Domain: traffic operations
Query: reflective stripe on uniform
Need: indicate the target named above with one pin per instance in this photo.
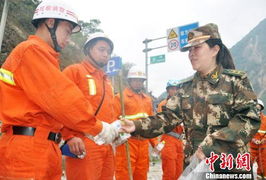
(261, 131)
(175, 135)
(259, 176)
(137, 116)
(7, 77)
(92, 85)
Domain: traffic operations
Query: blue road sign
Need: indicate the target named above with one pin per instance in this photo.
(183, 32)
(113, 66)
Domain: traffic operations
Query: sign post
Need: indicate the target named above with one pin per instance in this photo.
(122, 103)
(146, 50)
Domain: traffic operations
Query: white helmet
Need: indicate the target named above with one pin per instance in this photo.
(136, 72)
(261, 104)
(100, 36)
(172, 83)
(55, 9)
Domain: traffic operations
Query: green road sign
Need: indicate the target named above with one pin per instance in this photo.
(157, 59)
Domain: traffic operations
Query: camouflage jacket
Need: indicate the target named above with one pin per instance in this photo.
(219, 112)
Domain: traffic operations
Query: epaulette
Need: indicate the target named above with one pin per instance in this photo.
(234, 72)
(186, 80)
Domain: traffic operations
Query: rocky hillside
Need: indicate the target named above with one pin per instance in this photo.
(250, 55)
(17, 27)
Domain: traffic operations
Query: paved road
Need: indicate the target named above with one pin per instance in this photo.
(155, 172)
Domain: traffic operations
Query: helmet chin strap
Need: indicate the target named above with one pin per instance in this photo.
(52, 30)
(100, 65)
(138, 91)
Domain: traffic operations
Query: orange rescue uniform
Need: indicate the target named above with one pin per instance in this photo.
(136, 106)
(99, 161)
(258, 148)
(172, 154)
(35, 93)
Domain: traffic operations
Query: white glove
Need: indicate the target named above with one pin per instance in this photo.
(108, 134)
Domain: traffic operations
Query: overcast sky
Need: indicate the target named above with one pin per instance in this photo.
(128, 23)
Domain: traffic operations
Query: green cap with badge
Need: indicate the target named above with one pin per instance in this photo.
(201, 34)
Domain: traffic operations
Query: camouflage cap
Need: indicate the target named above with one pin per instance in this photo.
(201, 34)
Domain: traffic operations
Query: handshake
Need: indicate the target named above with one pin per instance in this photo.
(116, 133)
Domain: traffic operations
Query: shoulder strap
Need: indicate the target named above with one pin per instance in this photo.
(100, 105)
(234, 72)
(186, 80)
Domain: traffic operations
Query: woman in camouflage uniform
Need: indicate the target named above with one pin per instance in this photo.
(217, 104)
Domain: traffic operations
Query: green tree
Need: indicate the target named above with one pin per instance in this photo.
(90, 27)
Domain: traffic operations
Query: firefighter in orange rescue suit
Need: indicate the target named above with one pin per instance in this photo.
(89, 76)
(258, 145)
(137, 105)
(37, 100)
(172, 154)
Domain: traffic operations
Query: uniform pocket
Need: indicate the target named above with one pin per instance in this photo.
(219, 107)
(221, 98)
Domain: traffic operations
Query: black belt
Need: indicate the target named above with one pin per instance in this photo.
(29, 131)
